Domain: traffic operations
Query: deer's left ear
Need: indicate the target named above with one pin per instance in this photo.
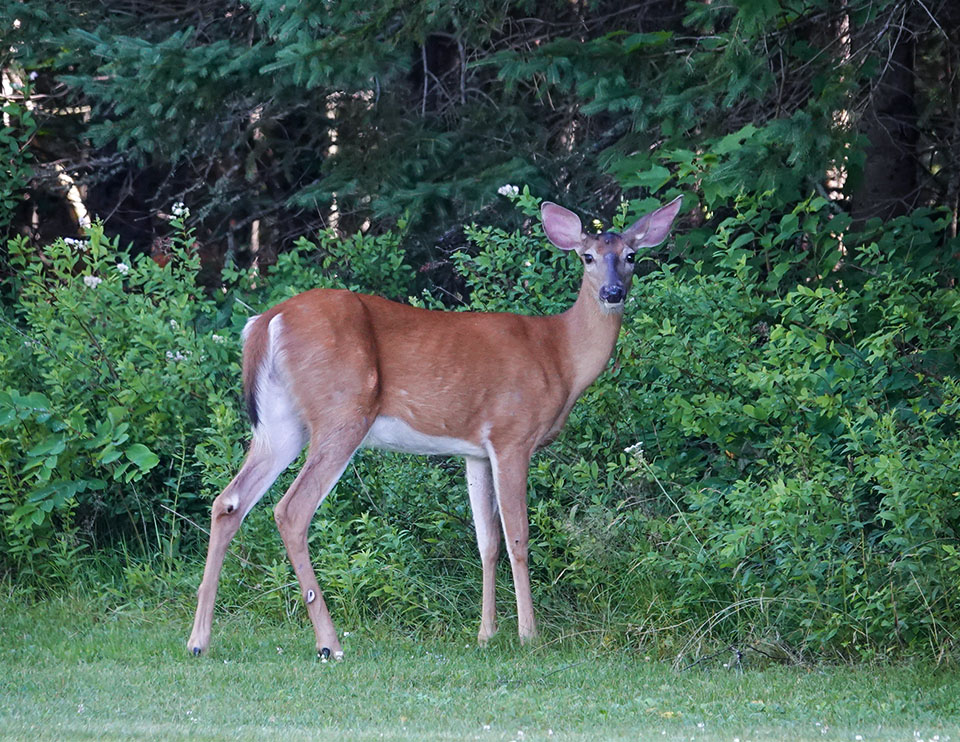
(653, 228)
(561, 225)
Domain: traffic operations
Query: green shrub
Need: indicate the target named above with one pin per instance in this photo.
(773, 455)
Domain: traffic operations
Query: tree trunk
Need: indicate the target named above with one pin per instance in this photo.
(889, 123)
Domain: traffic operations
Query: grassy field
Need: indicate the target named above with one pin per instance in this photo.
(72, 672)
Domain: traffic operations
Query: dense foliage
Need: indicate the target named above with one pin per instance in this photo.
(774, 455)
(273, 119)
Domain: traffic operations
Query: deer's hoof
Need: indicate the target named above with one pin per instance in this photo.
(324, 653)
(195, 651)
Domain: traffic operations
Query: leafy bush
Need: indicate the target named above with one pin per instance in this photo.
(18, 129)
(773, 455)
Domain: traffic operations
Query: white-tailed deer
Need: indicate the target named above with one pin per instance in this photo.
(337, 371)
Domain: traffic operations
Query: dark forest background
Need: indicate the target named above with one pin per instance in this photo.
(271, 120)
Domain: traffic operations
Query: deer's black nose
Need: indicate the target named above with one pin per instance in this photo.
(612, 294)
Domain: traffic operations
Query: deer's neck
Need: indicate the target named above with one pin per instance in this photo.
(591, 336)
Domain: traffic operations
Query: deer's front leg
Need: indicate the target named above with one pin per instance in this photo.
(483, 504)
(510, 480)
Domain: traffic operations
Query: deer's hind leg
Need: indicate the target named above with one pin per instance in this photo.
(276, 443)
(327, 459)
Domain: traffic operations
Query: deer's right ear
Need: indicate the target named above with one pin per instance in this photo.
(561, 225)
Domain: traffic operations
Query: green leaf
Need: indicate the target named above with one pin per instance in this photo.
(654, 178)
(143, 457)
(48, 447)
(109, 455)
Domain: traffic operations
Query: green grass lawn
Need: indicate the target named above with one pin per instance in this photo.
(69, 671)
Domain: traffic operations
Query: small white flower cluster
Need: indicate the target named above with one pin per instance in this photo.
(635, 450)
(177, 357)
(81, 245)
(179, 211)
(92, 281)
(173, 324)
(510, 191)
(220, 339)
(34, 75)
(123, 269)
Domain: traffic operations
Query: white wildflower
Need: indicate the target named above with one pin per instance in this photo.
(173, 324)
(123, 269)
(176, 357)
(81, 245)
(635, 450)
(92, 281)
(34, 75)
(179, 210)
(510, 191)
(219, 339)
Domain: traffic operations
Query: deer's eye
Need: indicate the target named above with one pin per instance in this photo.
(631, 257)
(587, 258)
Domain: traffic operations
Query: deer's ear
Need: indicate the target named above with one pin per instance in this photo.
(561, 225)
(653, 228)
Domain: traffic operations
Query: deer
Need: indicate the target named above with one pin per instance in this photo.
(335, 371)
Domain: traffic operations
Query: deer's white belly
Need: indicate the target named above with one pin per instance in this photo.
(393, 434)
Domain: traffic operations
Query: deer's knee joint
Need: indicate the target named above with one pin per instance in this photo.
(226, 505)
(280, 515)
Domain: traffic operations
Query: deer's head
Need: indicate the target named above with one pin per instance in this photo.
(608, 258)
